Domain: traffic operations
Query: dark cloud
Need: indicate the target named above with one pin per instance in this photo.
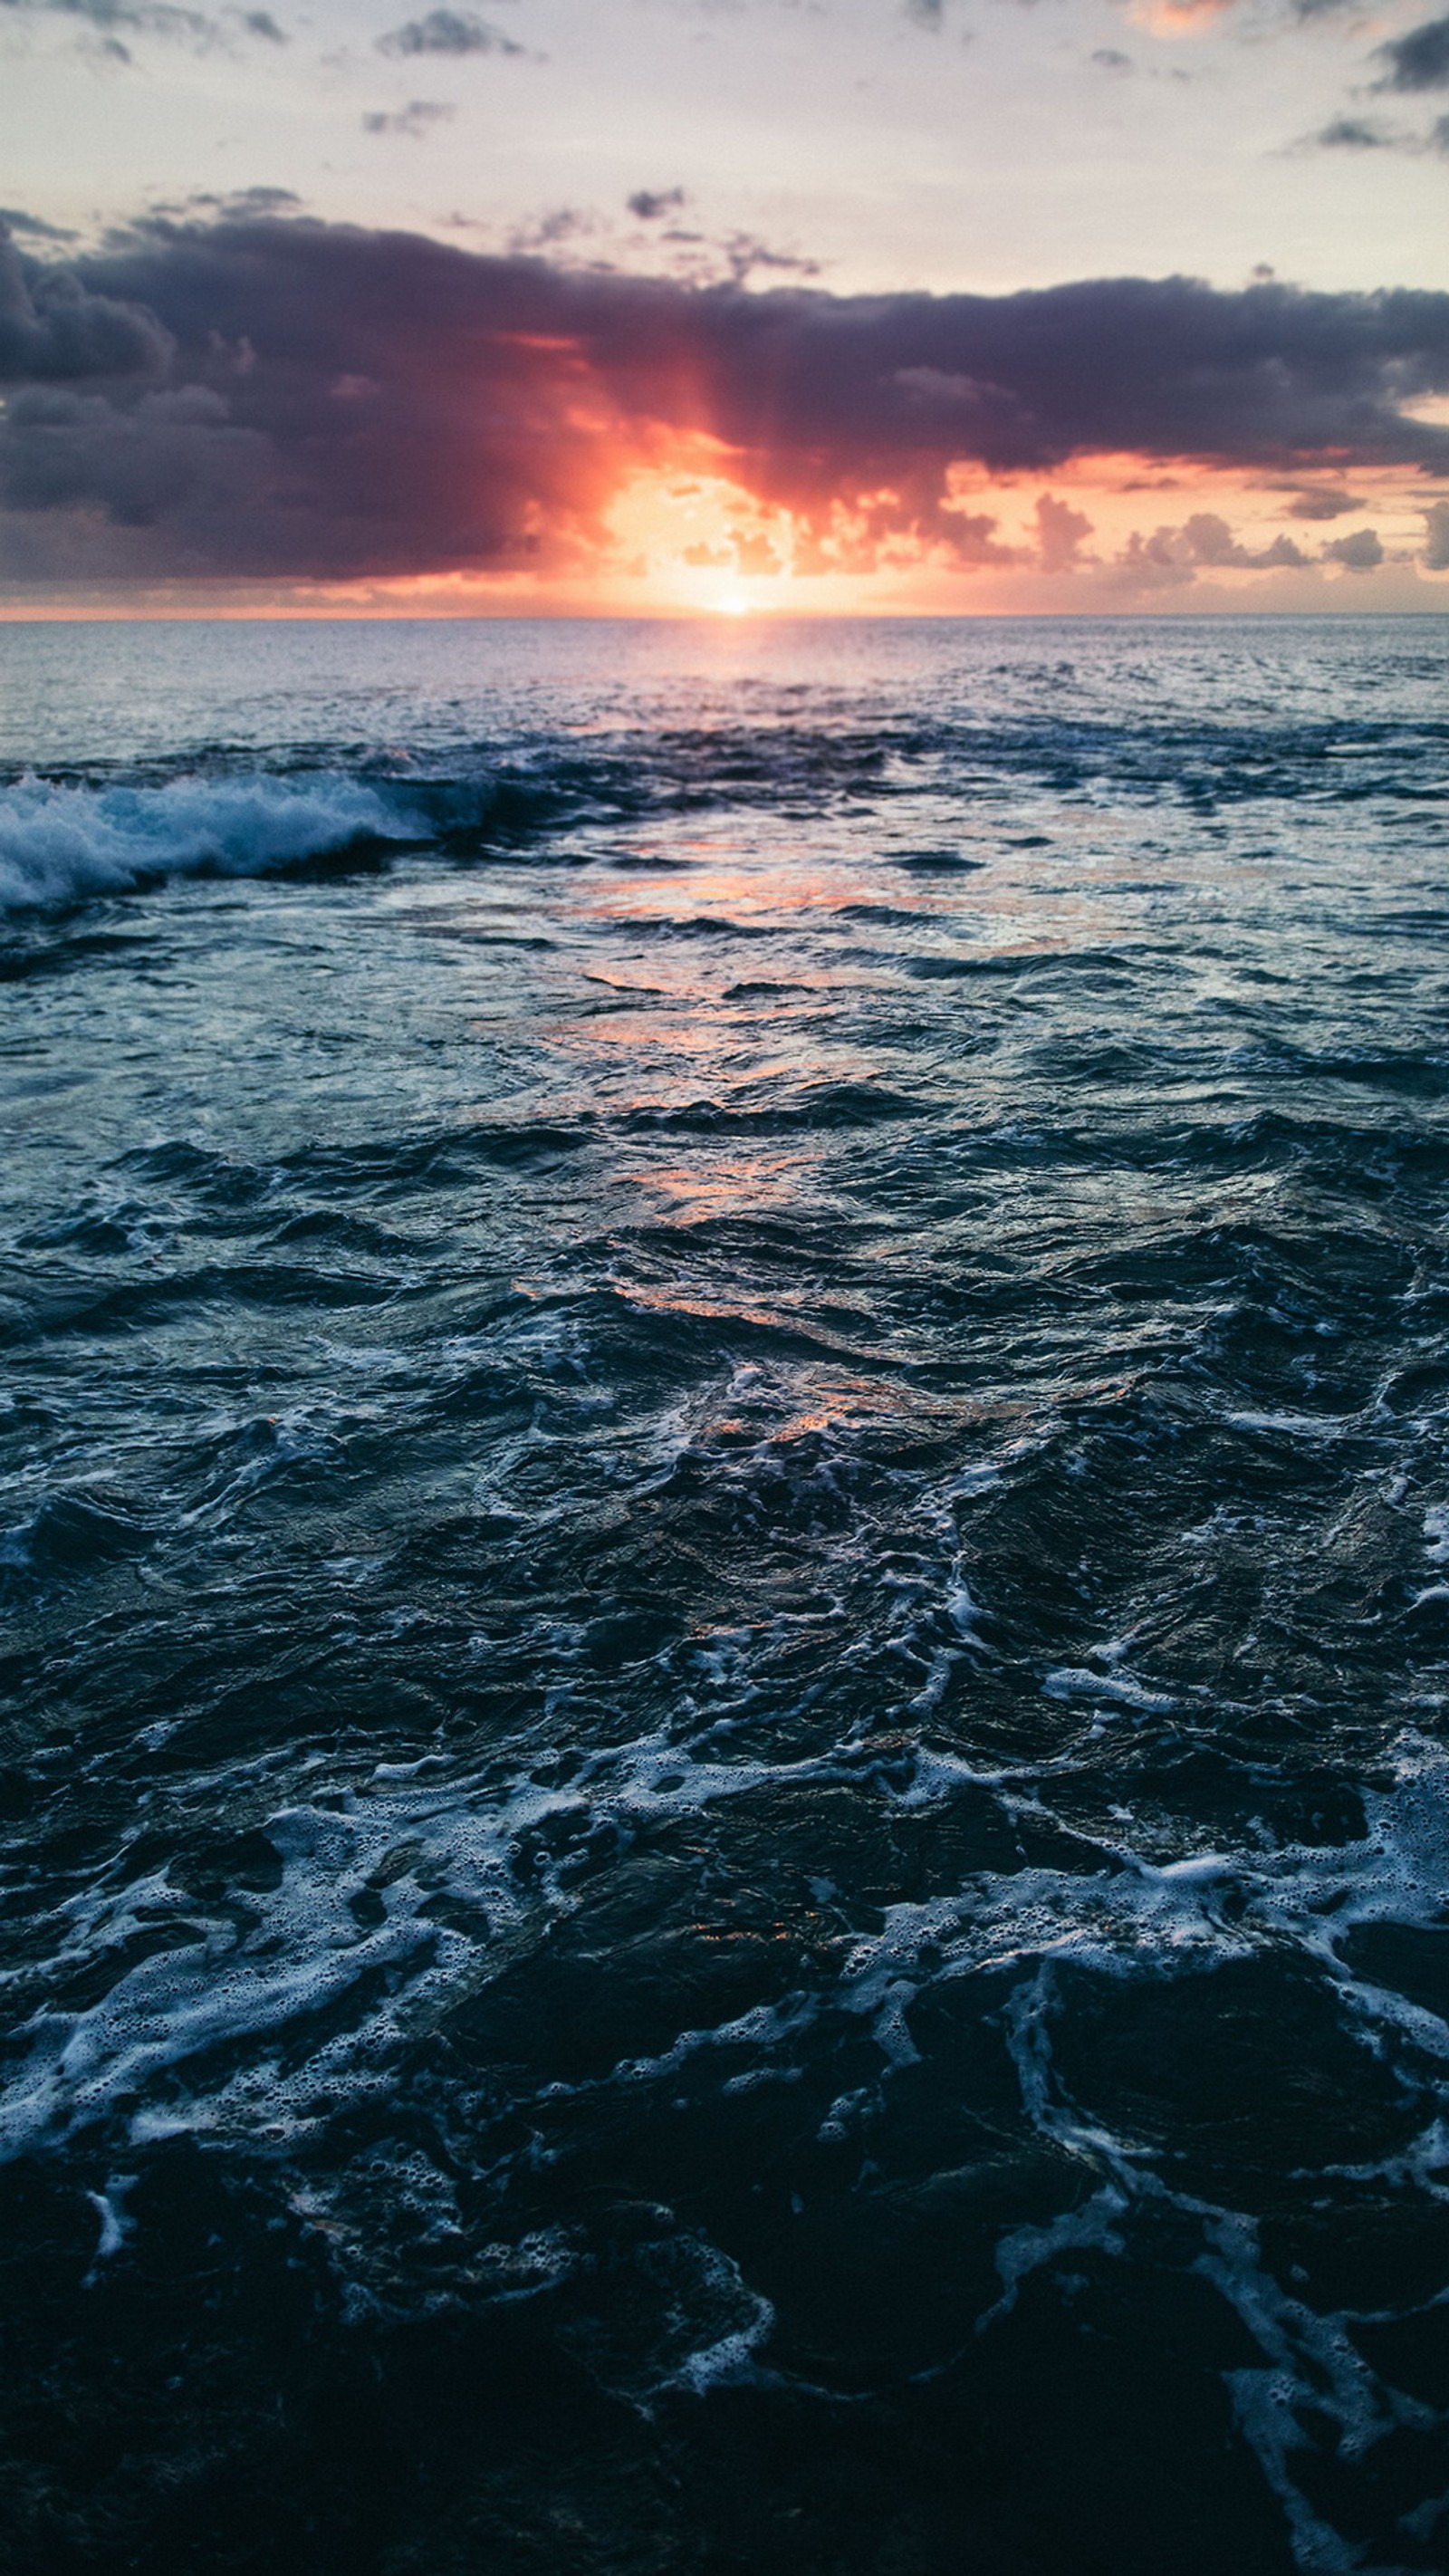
(416, 119)
(279, 397)
(1320, 502)
(1419, 60)
(1360, 134)
(1108, 59)
(1360, 552)
(743, 253)
(53, 329)
(448, 31)
(1354, 134)
(171, 453)
(261, 23)
(650, 203)
(14, 221)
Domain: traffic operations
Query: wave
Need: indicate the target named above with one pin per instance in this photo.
(66, 839)
(61, 843)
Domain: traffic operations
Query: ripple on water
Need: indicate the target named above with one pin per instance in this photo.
(725, 1756)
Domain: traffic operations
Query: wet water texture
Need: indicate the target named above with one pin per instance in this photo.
(726, 1580)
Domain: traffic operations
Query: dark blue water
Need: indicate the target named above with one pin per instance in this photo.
(726, 1576)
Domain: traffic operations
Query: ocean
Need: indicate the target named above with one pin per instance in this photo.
(724, 1545)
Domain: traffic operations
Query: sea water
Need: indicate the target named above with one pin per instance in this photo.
(724, 1540)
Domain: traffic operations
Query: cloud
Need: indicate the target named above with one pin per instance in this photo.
(743, 253)
(54, 330)
(1178, 17)
(1061, 533)
(447, 31)
(370, 405)
(14, 221)
(1206, 542)
(1360, 552)
(256, 200)
(1108, 59)
(416, 119)
(1436, 537)
(1355, 134)
(1418, 61)
(173, 451)
(1320, 502)
(1361, 134)
(154, 18)
(650, 203)
(548, 233)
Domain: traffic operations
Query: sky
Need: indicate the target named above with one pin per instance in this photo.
(649, 306)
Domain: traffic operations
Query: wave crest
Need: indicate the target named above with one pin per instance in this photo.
(61, 843)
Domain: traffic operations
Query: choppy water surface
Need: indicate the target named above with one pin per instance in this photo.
(726, 1562)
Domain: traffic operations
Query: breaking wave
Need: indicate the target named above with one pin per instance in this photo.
(60, 843)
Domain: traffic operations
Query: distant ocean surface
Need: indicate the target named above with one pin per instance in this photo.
(724, 1541)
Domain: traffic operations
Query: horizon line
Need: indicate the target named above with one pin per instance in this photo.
(62, 615)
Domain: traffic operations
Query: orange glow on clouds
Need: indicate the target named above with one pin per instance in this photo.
(685, 537)
(678, 532)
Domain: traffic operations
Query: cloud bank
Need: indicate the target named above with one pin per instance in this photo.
(264, 397)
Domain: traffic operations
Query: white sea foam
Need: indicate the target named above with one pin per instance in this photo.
(1077, 1681)
(146, 2050)
(1292, 1426)
(59, 844)
(410, 1831)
